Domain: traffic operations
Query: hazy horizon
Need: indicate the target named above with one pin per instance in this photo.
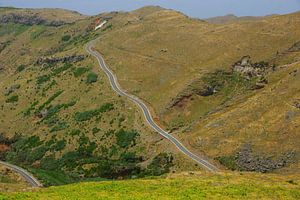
(193, 8)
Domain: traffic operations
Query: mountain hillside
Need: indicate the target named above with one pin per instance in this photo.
(192, 79)
(59, 117)
(229, 92)
(231, 18)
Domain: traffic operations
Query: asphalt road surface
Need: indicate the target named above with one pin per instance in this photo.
(26, 175)
(115, 86)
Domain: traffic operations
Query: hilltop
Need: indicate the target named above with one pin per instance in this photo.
(50, 17)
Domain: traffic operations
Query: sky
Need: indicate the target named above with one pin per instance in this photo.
(192, 8)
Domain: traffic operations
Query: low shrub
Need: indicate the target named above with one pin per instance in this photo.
(37, 154)
(79, 71)
(66, 38)
(42, 79)
(160, 164)
(20, 68)
(125, 138)
(54, 96)
(59, 70)
(49, 163)
(95, 130)
(87, 115)
(12, 99)
(91, 78)
(228, 161)
(59, 126)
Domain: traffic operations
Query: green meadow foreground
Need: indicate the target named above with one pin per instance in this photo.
(192, 186)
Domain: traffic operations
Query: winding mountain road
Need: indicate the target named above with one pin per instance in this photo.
(115, 86)
(26, 175)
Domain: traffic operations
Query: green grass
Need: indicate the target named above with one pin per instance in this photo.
(204, 187)
(126, 138)
(51, 177)
(14, 29)
(37, 32)
(54, 96)
(87, 115)
(79, 71)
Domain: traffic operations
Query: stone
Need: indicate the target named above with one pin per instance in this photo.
(249, 69)
(54, 60)
(296, 104)
(28, 20)
(11, 89)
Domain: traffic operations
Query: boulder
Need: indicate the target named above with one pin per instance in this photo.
(248, 69)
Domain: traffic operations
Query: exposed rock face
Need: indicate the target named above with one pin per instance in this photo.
(248, 161)
(295, 47)
(28, 20)
(70, 59)
(42, 114)
(11, 89)
(249, 69)
(296, 104)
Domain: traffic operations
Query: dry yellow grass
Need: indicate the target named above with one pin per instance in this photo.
(157, 53)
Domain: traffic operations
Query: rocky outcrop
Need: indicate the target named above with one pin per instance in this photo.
(296, 104)
(11, 89)
(295, 47)
(249, 69)
(28, 20)
(247, 160)
(66, 59)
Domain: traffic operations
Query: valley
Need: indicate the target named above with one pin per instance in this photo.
(218, 95)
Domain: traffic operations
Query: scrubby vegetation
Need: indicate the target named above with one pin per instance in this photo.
(87, 115)
(228, 161)
(11, 28)
(20, 68)
(55, 71)
(126, 138)
(12, 99)
(91, 78)
(79, 71)
(66, 38)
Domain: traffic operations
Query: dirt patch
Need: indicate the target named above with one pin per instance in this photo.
(4, 148)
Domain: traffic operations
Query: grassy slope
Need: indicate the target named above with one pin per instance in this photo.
(224, 186)
(262, 120)
(26, 45)
(172, 50)
(134, 44)
(11, 181)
